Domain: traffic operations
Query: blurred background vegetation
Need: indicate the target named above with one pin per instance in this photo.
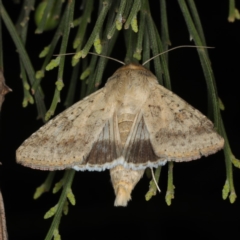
(34, 32)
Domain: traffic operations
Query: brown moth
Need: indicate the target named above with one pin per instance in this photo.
(130, 124)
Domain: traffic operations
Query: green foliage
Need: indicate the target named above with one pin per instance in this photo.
(142, 40)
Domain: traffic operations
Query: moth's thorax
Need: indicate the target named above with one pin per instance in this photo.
(131, 86)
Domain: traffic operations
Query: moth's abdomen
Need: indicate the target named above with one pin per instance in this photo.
(125, 122)
(124, 180)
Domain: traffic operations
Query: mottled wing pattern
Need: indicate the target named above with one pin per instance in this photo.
(178, 132)
(68, 138)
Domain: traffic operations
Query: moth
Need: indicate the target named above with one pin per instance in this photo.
(131, 124)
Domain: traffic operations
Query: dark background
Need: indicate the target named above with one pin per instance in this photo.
(198, 210)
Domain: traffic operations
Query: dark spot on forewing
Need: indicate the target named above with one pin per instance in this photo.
(155, 110)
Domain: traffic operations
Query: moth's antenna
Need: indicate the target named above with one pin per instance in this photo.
(183, 46)
(114, 59)
(154, 179)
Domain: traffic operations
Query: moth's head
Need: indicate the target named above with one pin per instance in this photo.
(135, 67)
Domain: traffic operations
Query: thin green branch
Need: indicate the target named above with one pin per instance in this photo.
(154, 43)
(231, 14)
(111, 31)
(152, 185)
(146, 48)
(71, 90)
(85, 19)
(25, 59)
(21, 18)
(67, 26)
(27, 8)
(107, 49)
(127, 10)
(212, 91)
(48, 52)
(230, 190)
(134, 10)
(129, 40)
(117, 23)
(229, 186)
(164, 25)
(96, 30)
(68, 178)
(197, 22)
(22, 28)
(95, 77)
(170, 187)
(59, 84)
(57, 8)
(163, 57)
(90, 81)
(119, 17)
(84, 74)
(27, 97)
(138, 50)
(45, 187)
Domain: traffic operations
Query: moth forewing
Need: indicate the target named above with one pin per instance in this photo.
(130, 124)
(67, 139)
(183, 134)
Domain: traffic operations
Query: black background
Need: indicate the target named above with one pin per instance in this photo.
(198, 210)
